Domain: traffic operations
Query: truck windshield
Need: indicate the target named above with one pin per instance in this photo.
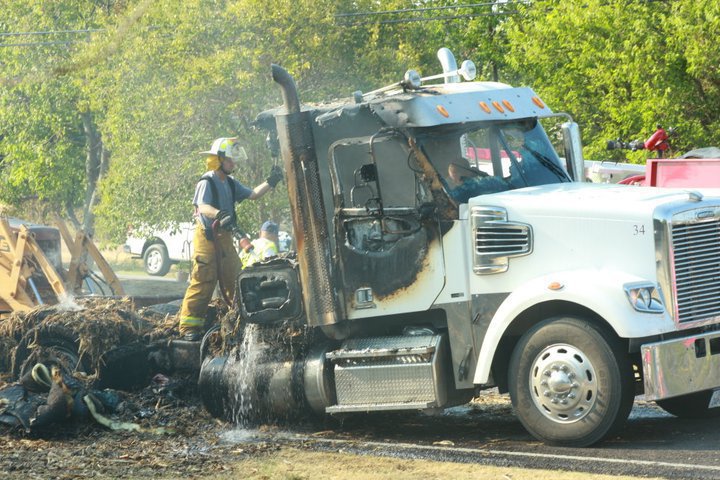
(490, 158)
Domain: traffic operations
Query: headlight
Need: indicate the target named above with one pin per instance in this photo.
(644, 297)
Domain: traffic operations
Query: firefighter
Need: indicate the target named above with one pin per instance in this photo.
(265, 246)
(215, 196)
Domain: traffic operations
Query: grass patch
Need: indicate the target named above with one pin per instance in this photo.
(290, 463)
(121, 261)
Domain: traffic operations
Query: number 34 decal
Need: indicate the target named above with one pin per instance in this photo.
(638, 229)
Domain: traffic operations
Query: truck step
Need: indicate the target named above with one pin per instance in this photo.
(389, 373)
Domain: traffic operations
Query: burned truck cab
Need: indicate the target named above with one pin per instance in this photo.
(371, 198)
(443, 247)
(371, 193)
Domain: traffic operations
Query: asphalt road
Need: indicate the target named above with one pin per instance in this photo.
(653, 444)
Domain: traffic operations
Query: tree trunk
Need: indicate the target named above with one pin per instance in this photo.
(96, 165)
(70, 214)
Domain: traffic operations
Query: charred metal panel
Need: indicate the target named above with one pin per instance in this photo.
(462, 347)
(270, 292)
(372, 173)
(447, 209)
(383, 226)
(374, 255)
(363, 123)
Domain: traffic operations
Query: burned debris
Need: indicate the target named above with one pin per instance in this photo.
(70, 361)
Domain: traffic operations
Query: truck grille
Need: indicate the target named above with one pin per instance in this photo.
(696, 269)
(504, 240)
(496, 240)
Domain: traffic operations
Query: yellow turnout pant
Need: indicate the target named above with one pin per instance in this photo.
(204, 276)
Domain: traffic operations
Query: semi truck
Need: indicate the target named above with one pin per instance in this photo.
(574, 297)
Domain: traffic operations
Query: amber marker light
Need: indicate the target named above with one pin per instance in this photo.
(498, 107)
(443, 111)
(485, 107)
(508, 105)
(538, 102)
(555, 286)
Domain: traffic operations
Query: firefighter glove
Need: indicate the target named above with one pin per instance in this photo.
(223, 219)
(276, 176)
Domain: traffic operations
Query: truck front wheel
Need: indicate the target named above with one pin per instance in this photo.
(571, 382)
(157, 262)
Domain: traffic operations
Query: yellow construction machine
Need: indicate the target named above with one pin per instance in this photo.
(31, 270)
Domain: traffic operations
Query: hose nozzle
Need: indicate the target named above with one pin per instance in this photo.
(242, 239)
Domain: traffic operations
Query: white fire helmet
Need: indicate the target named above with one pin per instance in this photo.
(227, 147)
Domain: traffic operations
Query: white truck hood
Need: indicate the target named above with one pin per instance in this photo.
(589, 200)
(600, 227)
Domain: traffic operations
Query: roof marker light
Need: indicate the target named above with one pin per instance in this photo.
(538, 102)
(508, 105)
(443, 111)
(485, 107)
(498, 107)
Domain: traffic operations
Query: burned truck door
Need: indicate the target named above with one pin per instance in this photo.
(386, 241)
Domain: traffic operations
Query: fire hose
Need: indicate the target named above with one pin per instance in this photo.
(244, 244)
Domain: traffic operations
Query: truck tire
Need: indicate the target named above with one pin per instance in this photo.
(157, 262)
(571, 382)
(53, 344)
(693, 406)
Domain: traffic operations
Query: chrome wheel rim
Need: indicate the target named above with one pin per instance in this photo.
(563, 383)
(154, 261)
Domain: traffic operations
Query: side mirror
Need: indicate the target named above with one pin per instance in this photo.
(573, 151)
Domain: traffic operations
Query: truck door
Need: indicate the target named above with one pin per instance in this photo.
(387, 239)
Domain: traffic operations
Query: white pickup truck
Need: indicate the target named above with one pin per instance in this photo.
(160, 249)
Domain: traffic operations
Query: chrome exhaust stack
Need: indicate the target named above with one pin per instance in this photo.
(306, 202)
(447, 60)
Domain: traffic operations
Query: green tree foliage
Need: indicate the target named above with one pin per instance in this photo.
(46, 125)
(388, 37)
(621, 67)
(694, 26)
(195, 71)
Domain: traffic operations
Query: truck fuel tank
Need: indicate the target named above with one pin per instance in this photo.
(259, 378)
